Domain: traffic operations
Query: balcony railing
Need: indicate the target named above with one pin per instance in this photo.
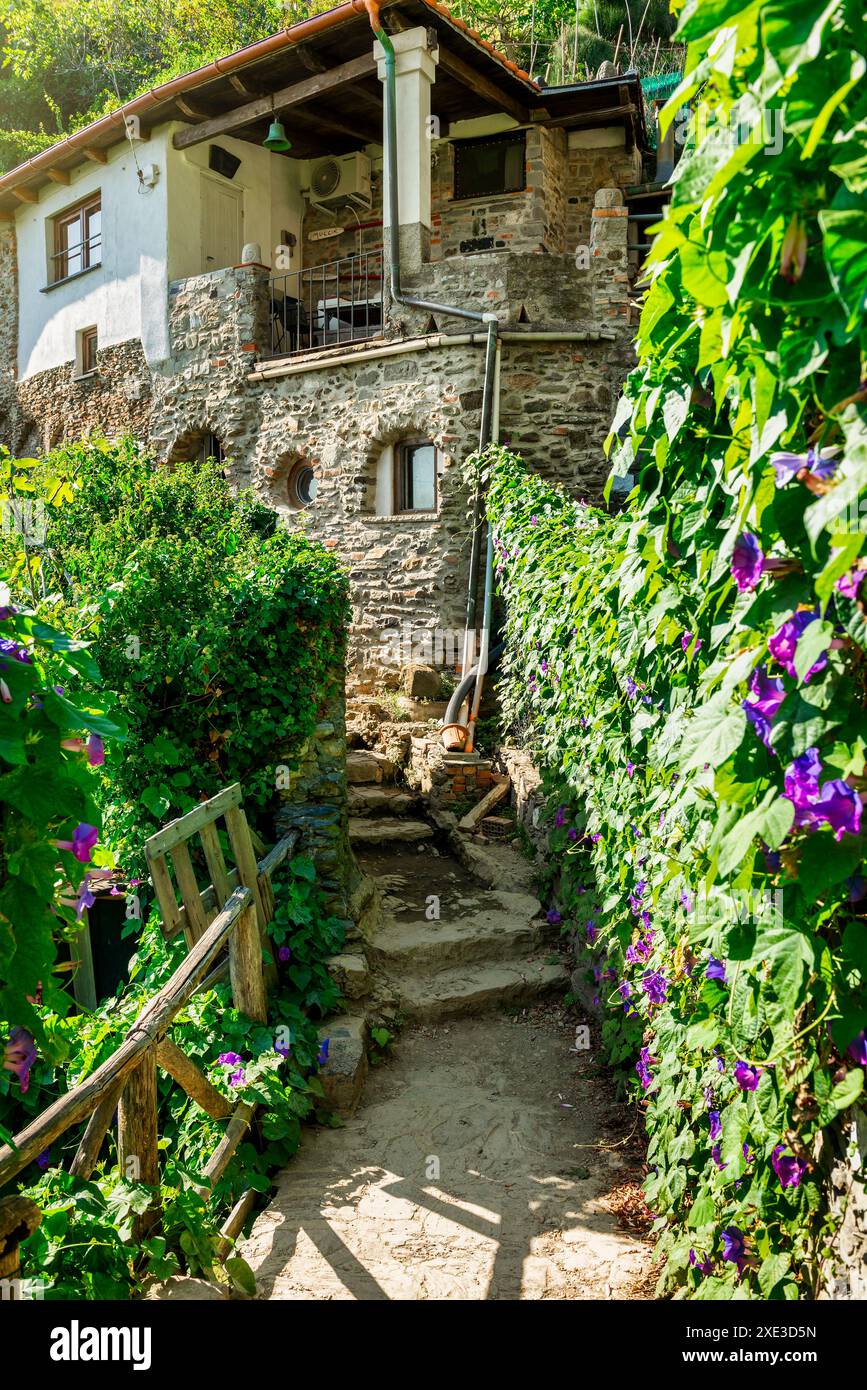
(324, 305)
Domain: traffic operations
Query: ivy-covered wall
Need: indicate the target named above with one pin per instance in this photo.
(690, 672)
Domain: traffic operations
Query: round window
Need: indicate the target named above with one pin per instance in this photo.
(302, 485)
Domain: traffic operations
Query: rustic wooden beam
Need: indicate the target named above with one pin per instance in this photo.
(245, 968)
(189, 110)
(234, 1222)
(25, 195)
(483, 86)
(225, 1150)
(58, 175)
(87, 1153)
(197, 1086)
(246, 89)
(181, 829)
(165, 891)
(197, 921)
(138, 1132)
(499, 790)
(591, 118)
(149, 1028)
(308, 89)
(360, 130)
(97, 156)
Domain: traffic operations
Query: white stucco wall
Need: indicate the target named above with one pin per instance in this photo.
(124, 297)
(150, 236)
(271, 201)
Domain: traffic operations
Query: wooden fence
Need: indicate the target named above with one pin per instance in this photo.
(230, 915)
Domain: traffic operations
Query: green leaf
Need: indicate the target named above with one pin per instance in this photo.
(845, 1093)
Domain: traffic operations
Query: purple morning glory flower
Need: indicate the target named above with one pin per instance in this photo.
(716, 971)
(571, 833)
(543, 667)
(85, 898)
(768, 693)
(715, 1124)
(229, 1059)
(734, 1246)
(784, 643)
(749, 1157)
(857, 1049)
(838, 806)
(802, 783)
(560, 818)
(686, 640)
(822, 463)
(747, 1076)
(717, 1157)
(19, 1055)
(655, 986)
(630, 769)
(631, 688)
(624, 989)
(282, 1048)
(591, 932)
(703, 1265)
(534, 521)
(95, 751)
(747, 562)
(43, 1160)
(18, 653)
(322, 1056)
(789, 1169)
(849, 584)
(685, 901)
(553, 917)
(83, 840)
(596, 837)
(642, 1066)
(284, 953)
(720, 1064)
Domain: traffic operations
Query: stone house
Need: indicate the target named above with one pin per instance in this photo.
(208, 269)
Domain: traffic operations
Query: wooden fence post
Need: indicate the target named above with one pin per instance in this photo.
(138, 1132)
(245, 967)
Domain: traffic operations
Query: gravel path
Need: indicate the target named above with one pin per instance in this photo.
(486, 1161)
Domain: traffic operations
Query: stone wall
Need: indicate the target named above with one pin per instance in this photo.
(556, 403)
(116, 399)
(314, 801)
(11, 418)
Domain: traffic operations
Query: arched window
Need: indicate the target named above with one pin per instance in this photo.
(197, 446)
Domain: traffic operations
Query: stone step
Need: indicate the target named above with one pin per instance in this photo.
(472, 989)
(364, 767)
(365, 831)
(343, 1074)
(499, 927)
(373, 800)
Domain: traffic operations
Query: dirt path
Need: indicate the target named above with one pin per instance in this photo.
(463, 1176)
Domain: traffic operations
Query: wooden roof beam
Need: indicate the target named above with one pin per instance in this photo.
(263, 107)
(482, 86)
(25, 195)
(95, 155)
(58, 175)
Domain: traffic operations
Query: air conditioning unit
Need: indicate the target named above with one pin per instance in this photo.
(336, 182)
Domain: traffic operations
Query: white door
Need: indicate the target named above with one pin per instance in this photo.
(222, 237)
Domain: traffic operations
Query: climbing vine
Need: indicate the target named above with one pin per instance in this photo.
(690, 670)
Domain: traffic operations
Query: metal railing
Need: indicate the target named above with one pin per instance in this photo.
(324, 305)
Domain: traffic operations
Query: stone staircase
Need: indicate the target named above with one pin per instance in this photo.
(454, 930)
(379, 811)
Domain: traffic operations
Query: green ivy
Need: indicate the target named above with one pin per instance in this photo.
(690, 670)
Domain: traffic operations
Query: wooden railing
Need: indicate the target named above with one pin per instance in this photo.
(231, 914)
